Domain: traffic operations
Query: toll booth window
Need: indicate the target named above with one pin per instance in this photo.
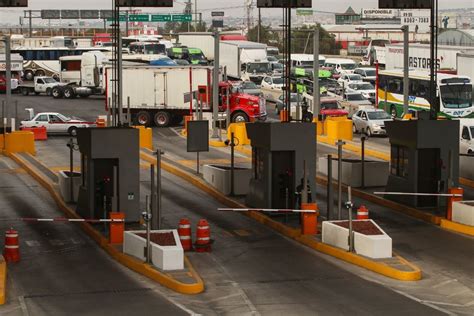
(399, 161)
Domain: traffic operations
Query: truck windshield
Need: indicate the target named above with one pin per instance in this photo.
(155, 49)
(307, 63)
(456, 96)
(257, 67)
(278, 81)
(348, 66)
(370, 73)
(49, 80)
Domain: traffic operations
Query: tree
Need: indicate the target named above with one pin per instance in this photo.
(302, 41)
(267, 36)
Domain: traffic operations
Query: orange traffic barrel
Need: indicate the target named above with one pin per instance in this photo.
(203, 236)
(184, 232)
(362, 212)
(12, 248)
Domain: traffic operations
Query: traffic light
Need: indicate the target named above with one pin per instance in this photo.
(13, 3)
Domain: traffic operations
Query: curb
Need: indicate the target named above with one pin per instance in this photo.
(457, 227)
(3, 280)
(293, 233)
(128, 261)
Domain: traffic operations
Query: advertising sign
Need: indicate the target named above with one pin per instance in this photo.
(379, 13)
(217, 18)
(69, 14)
(89, 14)
(417, 20)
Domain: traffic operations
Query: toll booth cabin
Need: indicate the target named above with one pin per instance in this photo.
(279, 151)
(424, 159)
(110, 172)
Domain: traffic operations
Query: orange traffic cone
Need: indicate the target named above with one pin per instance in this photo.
(362, 212)
(12, 248)
(184, 232)
(203, 237)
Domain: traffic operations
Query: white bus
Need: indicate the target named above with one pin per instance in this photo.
(44, 61)
(453, 93)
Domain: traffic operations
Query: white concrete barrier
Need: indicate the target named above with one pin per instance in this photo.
(463, 212)
(64, 182)
(219, 178)
(466, 169)
(372, 246)
(376, 172)
(162, 257)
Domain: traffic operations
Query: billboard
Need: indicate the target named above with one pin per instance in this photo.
(13, 3)
(379, 13)
(106, 14)
(417, 20)
(70, 14)
(89, 14)
(405, 4)
(50, 14)
(144, 3)
(284, 3)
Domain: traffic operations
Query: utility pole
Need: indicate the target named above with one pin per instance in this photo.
(30, 28)
(406, 80)
(215, 86)
(316, 92)
(195, 15)
(259, 25)
(8, 77)
(249, 14)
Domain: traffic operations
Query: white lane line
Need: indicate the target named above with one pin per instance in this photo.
(56, 242)
(32, 243)
(427, 303)
(443, 283)
(222, 297)
(24, 308)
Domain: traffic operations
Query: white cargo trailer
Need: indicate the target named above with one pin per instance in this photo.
(420, 56)
(465, 65)
(244, 60)
(160, 94)
(201, 40)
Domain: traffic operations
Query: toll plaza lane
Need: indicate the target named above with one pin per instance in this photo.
(62, 271)
(253, 270)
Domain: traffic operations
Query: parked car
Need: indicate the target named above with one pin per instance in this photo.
(56, 123)
(272, 87)
(466, 144)
(345, 79)
(248, 87)
(277, 68)
(368, 74)
(370, 121)
(364, 88)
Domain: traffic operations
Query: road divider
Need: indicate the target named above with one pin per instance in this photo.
(168, 279)
(3, 280)
(18, 141)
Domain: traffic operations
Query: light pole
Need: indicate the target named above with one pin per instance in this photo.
(215, 86)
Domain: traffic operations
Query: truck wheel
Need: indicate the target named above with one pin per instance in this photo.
(72, 131)
(48, 91)
(162, 119)
(143, 118)
(57, 92)
(40, 73)
(29, 75)
(69, 93)
(240, 117)
(24, 91)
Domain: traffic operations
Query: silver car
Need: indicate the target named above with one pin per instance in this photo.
(370, 121)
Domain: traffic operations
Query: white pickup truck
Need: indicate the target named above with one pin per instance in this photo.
(39, 85)
(55, 123)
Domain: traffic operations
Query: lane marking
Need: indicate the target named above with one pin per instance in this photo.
(32, 243)
(24, 308)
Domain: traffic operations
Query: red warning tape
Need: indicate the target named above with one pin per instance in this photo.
(265, 210)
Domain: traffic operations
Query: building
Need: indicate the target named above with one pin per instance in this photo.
(348, 17)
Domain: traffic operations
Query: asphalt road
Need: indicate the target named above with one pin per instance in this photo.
(62, 271)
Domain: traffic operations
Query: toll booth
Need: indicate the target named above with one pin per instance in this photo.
(279, 151)
(110, 166)
(424, 159)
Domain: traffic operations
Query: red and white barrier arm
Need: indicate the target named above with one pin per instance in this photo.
(268, 210)
(62, 219)
(419, 194)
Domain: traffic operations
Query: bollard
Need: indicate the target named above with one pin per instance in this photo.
(184, 232)
(12, 248)
(362, 212)
(116, 229)
(451, 199)
(203, 237)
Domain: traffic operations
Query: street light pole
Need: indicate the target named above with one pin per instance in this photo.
(8, 77)
(406, 80)
(215, 86)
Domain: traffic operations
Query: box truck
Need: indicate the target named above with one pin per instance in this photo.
(465, 65)
(163, 95)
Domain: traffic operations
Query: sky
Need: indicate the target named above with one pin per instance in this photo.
(11, 15)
